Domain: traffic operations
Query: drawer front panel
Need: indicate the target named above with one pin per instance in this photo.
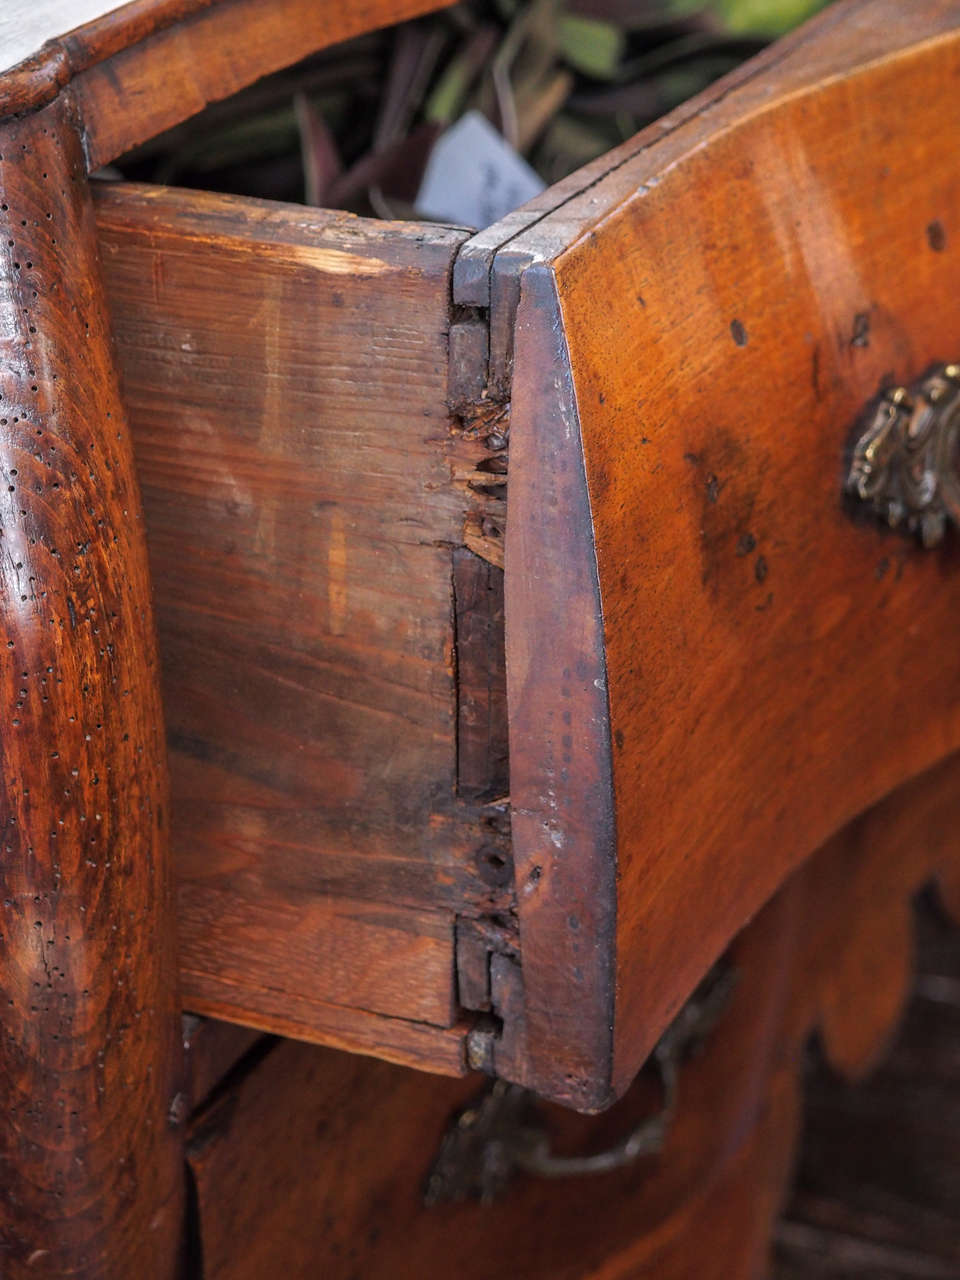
(724, 302)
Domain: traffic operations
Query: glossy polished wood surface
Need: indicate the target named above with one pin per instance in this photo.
(90, 1146)
(731, 294)
(859, 959)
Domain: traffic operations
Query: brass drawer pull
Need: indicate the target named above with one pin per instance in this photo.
(905, 461)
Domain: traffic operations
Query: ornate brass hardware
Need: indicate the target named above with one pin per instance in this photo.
(905, 462)
(502, 1134)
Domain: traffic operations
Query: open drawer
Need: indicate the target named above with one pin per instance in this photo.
(518, 636)
(387, 841)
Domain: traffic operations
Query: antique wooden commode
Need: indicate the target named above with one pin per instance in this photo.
(530, 633)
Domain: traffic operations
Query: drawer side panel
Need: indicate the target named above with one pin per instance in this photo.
(285, 374)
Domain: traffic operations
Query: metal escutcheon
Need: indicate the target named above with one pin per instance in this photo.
(905, 463)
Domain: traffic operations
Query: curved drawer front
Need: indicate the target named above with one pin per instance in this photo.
(715, 657)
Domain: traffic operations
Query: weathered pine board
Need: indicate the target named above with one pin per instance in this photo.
(285, 373)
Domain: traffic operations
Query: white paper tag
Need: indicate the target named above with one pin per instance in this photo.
(474, 176)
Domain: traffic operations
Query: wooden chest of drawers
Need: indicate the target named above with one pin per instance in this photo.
(518, 633)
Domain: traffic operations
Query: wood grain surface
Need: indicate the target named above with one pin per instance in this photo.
(859, 960)
(296, 456)
(90, 1062)
(336, 1151)
(90, 1144)
(562, 805)
(212, 1052)
(877, 1190)
(699, 637)
(731, 294)
(147, 65)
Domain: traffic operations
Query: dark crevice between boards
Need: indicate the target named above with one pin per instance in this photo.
(486, 933)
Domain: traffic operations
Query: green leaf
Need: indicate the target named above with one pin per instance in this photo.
(593, 47)
(765, 17)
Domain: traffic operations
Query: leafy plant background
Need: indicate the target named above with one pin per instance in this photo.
(562, 80)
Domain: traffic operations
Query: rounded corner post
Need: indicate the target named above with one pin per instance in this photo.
(92, 1163)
